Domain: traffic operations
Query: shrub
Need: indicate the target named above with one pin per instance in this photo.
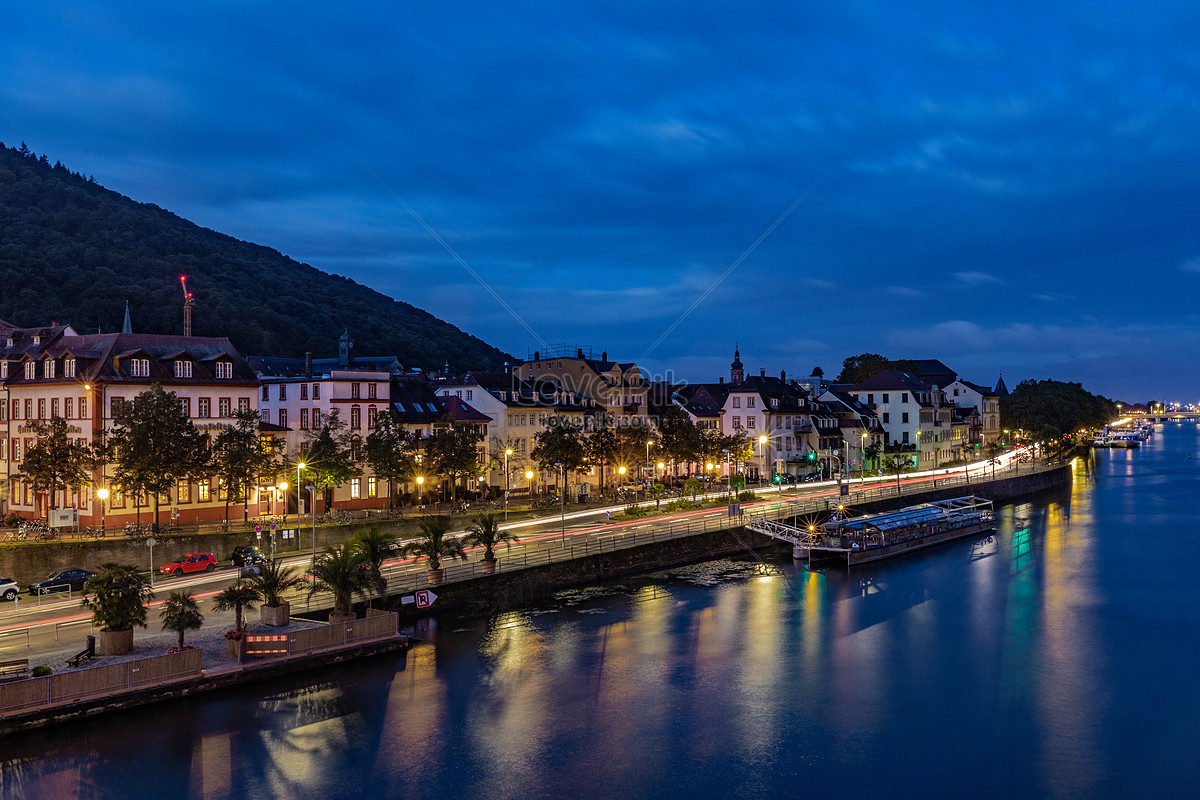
(746, 496)
(41, 671)
(13, 519)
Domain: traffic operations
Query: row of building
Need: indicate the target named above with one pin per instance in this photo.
(797, 426)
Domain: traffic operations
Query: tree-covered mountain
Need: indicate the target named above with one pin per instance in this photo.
(73, 251)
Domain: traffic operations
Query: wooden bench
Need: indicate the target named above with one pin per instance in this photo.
(14, 670)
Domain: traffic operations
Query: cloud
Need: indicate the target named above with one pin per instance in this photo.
(1191, 265)
(977, 278)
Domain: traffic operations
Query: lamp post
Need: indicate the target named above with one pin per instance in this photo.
(762, 451)
(562, 500)
(529, 483)
(507, 453)
(299, 467)
(312, 500)
(102, 495)
(862, 450)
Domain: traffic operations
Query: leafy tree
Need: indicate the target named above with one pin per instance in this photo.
(373, 548)
(693, 486)
(56, 459)
(340, 570)
(181, 613)
(817, 372)
(658, 492)
(485, 532)
(1034, 405)
(117, 595)
(896, 464)
(243, 455)
(391, 452)
(872, 452)
(237, 597)
(153, 446)
(433, 543)
(330, 460)
(453, 451)
(856, 369)
(601, 446)
(678, 440)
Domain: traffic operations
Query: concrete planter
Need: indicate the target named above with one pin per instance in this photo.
(337, 619)
(234, 647)
(436, 575)
(276, 616)
(488, 566)
(114, 643)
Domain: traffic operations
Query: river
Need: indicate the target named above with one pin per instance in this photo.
(1056, 658)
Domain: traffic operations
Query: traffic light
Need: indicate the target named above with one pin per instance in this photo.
(776, 479)
(811, 457)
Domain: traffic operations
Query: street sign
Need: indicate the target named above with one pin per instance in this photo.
(425, 598)
(258, 529)
(272, 526)
(150, 542)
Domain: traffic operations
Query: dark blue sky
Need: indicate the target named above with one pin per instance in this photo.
(1013, 189)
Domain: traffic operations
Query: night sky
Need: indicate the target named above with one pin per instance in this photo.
(1012, 189)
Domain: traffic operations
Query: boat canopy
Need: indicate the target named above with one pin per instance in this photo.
(912, 515)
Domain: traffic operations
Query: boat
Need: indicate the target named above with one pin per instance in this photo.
(1101, 441)
(873, 537)
(1127, 440)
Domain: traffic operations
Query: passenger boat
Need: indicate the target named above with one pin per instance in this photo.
(1101, 441)
(872, 537)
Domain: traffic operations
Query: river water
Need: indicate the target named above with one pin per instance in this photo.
(1057, 658)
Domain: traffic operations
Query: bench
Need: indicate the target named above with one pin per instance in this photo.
(14, 670)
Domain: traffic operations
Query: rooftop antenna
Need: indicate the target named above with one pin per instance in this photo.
(187, 306)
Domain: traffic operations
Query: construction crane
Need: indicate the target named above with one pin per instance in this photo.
(187, 307)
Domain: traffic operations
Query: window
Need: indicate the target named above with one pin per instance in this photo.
(371, 415)
(283, 391)
(202, 491)
(354, 389)
(870, 398)
(304, 419)
(283, 417)
(737, 422)
(204, 408)
(185, 405)
(304, 391)
(265, 415)
(316, 418)
(354, 488)
(737, 402)
(3, 448)
(751, 422)
(904, 436)
(41, 408)
(316, 391)
(48, 368)
(904, 397)
(904, 417)
(183, 369)
(16, 449)
(266, 392)
(243, 404)
(355, 417)
(183, 491)
(114, 405)
(749, 402)
(3, 370)
(886, 417)
(83, 408)
(16, 409)
(224, 369)
(371, 390)
(370, 487)
(68, 407)
(779, 423)
(30, 370)
(53, 407)
(68, 368)
(458, 394)
(223, 406)
(139, 367)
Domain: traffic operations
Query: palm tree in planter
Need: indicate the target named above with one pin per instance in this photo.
(434, 545)
(181, 613)
(342, 571)
(117, 597)
(374, 547)
(272, 580)
(485, 532)
(236, 597)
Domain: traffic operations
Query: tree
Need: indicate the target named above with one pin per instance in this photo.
(872, 452)
(237, 597)
(601, 446)
(993, 449)
(560, 443)
(273, 579)
(181, 613)
(1034, 405)
(391, 452)
(433, 543)
(453, 451)
(693, 486)
(678, 440)
(56, 459)
(485, 532)
(896, 464)
(374, 547)
(817, 372)
(330, 460)
(856, 369)
(243, 455)
(341, 571)
(117, 595)
(153, 446)
(658, 492)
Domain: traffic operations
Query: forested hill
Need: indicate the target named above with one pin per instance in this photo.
(73, 251)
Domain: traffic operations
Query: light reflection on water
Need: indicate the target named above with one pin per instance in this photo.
(1053, 659)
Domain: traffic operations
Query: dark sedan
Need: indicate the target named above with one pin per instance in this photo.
(61, 581)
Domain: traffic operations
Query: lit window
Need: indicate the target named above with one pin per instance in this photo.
(354, 489)
(370, 487)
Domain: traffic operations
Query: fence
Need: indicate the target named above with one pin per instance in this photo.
(340, 634)
(67, 687)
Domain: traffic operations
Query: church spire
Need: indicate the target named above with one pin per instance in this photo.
(127, 327)
(736, 372)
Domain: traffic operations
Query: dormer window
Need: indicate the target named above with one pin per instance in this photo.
(48, 368)
(37, 339)
(68, 368)
(224, 370)
(9, 342)
(183, 369)
(30, 370)
(139, 367)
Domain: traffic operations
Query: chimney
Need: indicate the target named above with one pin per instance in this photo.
(762, 372)
(604, 355)
(721, 379)
(53, 323)
(308, 364)
(579, 353)
(783, 375)
(506, 367)
(537, 356)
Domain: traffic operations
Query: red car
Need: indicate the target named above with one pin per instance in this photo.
(192, 562)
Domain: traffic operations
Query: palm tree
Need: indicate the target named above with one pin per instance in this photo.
(658, 492)
(340, 570)
(271, 581)
(693, 487)
(434, 545)
(181, 613)
(237, 596)
(896, 464)
(374, 547)
(485, 532)
(117, 595)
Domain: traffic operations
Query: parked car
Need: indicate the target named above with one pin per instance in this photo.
(9, 589)
(192, 562)
(61, 581)
(243, 556)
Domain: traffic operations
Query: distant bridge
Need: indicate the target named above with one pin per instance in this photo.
(1166, 416)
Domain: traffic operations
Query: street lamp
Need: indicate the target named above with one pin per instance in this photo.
(280, 495)
(562, 500)
(299, 467)
(862, 450)
(507, 453)
(762, 448)
(312, 501)
(102, 495)
(529, 482)
(649, 443)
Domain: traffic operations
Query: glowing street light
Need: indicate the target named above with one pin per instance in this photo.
(102, 495)
(299, 467)
(507, 453)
